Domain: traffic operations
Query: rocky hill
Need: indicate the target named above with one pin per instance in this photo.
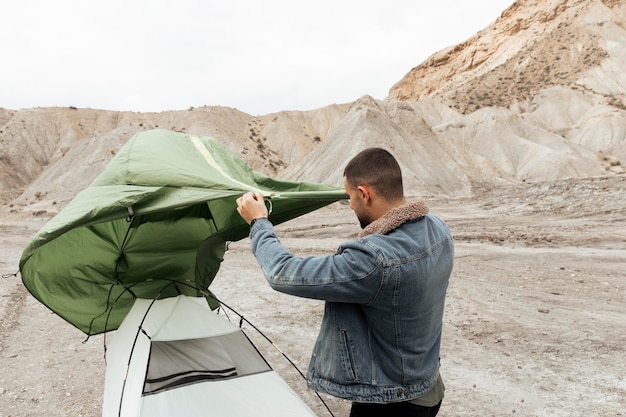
(539, 95)
(554, 68)
(533, 46)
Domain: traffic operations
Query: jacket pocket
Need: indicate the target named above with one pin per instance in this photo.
(348, 357)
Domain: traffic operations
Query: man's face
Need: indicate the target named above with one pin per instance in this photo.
(357, 204)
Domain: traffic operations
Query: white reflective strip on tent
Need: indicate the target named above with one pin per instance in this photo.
(259, 395)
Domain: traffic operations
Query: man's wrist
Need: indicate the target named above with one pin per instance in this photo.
(254, 220)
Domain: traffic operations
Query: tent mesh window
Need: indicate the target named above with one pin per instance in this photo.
(182, 362)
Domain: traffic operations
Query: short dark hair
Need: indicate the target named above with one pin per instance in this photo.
(378, 169)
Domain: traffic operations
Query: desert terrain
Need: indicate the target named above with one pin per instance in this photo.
(534, 326)
(515, 137)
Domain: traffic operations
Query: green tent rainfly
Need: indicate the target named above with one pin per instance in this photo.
(154, 224)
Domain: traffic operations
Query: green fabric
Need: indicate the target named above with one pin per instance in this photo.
(432, 397)
(154, 224)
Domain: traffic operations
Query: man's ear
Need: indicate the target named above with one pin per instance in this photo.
(364, 192)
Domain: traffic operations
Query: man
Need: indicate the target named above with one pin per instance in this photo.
(379, 341)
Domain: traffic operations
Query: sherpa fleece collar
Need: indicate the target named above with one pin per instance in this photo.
(396, 217)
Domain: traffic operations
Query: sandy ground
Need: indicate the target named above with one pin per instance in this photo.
(535, 322)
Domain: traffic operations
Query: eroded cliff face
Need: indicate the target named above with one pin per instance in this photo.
(533, 45)
(53, 153)
(539, 95)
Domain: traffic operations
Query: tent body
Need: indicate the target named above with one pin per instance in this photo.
(154, 224)
(177, 357)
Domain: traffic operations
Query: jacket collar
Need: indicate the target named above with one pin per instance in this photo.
(396, 217)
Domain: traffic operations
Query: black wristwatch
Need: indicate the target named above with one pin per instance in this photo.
(254, 221)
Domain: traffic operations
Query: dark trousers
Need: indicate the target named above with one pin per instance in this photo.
(400, 409)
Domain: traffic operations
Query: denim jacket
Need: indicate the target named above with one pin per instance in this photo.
(380, 335)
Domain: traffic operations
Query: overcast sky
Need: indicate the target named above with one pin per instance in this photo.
(259, 56)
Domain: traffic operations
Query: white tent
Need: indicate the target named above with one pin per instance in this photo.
(176, 357)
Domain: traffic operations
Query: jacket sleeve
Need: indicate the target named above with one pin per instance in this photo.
(353, 274)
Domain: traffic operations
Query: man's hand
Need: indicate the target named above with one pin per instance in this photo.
(251, 206)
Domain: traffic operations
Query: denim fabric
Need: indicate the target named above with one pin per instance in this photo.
(381, 331)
